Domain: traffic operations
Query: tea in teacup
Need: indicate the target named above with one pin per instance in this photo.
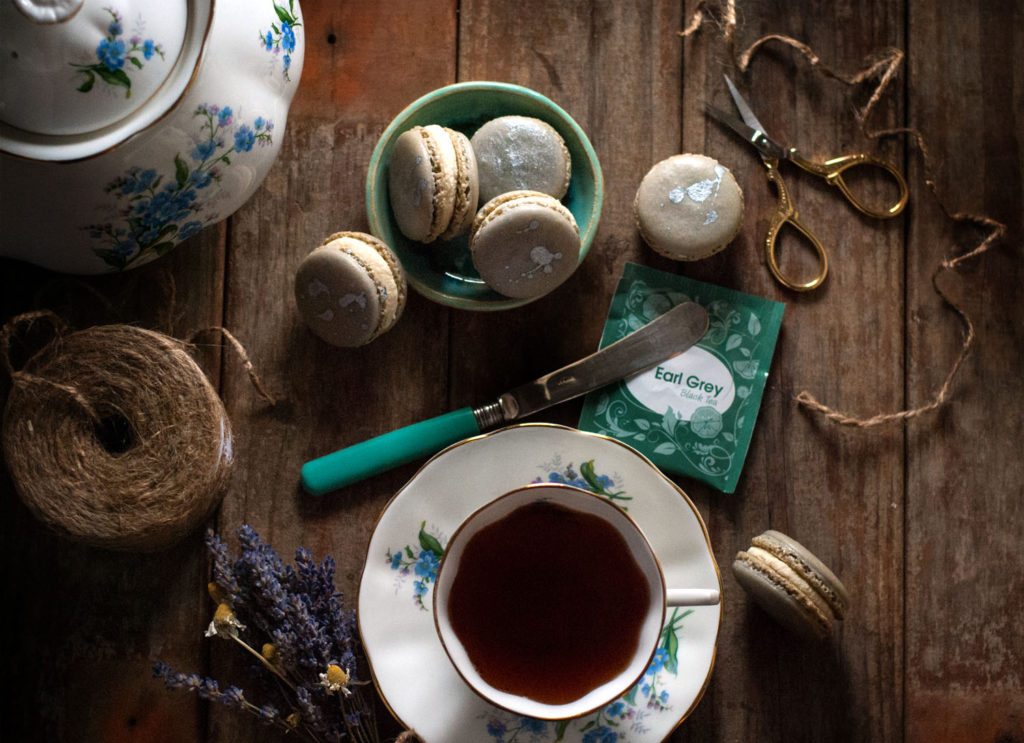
(549, 601)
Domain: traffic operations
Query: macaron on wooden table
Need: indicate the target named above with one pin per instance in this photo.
(919, 518)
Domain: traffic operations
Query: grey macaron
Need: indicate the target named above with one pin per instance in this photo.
(790, 583)
(432, 183)
(688, 207)
(524, 244)
(517, 153)
(351, 289)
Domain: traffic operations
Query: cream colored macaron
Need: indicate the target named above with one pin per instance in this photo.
(351, 289)
(791, 584)
(524, 244)
(688, 207)
(432, 183)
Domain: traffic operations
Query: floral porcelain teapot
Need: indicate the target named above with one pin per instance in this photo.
(126, 126)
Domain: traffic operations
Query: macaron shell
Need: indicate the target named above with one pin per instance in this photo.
(688, 207)
(350, 289)
(422, 173)
(810, 568)
(521, 153)
(525, 244)
(786, 603)
(411, 185)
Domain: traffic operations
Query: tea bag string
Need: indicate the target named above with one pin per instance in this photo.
(884, 68)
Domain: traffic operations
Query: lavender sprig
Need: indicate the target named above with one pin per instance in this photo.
(308, 652)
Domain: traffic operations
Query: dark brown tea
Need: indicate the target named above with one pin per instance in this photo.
(548, 602)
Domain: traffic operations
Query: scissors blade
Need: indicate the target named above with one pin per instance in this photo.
(744, 108)
(765, 146)
(751, 128)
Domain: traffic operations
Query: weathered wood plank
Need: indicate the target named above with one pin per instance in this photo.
(836, 490)
(964, 647)
(85, 625)
(365, 62)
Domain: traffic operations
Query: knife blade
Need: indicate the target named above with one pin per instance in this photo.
(662, 338)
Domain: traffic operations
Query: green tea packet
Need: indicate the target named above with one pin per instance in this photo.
(693, 414)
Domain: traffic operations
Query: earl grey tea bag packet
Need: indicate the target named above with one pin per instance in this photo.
(693, 414)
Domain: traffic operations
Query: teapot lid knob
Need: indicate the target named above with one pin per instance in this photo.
(48, 11)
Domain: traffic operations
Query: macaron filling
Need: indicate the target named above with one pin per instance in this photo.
(466, 188)
(785, 573)
(444, 165)
(807, 567)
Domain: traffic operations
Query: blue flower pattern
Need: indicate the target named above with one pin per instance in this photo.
(615, 722)
(280, 39)
(113, 53)
(421, 561)
(159, 211)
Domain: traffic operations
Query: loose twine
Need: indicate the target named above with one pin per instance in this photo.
(884, 67)
(113, 436)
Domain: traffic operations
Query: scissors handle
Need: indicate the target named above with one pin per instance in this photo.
(786, 214)
(832, 171)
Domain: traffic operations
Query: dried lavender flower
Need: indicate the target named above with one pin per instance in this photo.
(308, 643)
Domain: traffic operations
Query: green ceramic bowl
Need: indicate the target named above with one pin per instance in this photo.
(443, 271)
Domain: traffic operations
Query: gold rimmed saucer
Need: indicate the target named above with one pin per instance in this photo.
(408, 663)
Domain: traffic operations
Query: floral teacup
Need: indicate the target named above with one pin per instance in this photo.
(544, 553)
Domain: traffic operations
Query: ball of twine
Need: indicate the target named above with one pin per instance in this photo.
(114, 437)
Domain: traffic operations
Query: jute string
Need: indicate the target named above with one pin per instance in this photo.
(113, 436)
(884, 69)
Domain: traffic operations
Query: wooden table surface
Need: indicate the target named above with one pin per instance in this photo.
(920, 518)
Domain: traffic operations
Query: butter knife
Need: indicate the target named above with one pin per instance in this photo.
(662, 338)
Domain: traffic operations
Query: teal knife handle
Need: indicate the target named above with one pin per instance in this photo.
(371, 457)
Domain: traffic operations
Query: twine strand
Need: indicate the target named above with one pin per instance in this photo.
(17, 376)
(885, 68)
(243, 356)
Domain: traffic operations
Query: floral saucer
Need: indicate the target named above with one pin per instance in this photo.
(409, 665)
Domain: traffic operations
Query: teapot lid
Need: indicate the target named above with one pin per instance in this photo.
(82, 71)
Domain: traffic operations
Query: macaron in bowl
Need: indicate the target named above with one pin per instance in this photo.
(524, 243)
(443, 270)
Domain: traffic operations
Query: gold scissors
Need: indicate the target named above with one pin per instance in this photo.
(831, 170)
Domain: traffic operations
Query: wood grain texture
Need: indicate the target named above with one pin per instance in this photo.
(965, 651)
(838, 491)
(920, 520)
(84, 626)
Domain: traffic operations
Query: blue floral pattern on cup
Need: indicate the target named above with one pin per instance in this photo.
(280, 39)
(587, 479)
(159, 210)
(114, 53)
(615, 722)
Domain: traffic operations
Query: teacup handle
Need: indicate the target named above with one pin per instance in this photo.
(692, 597)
